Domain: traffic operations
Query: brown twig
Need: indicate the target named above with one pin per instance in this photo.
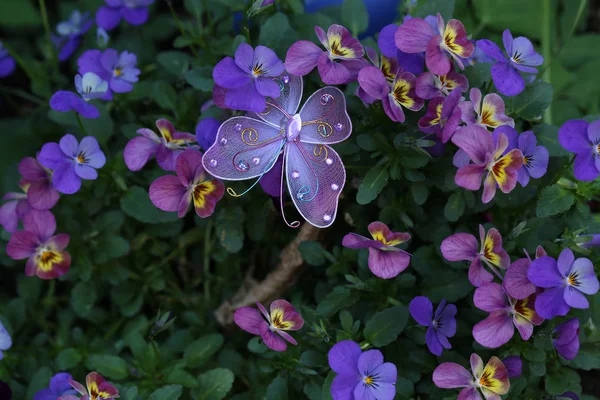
(275, 283)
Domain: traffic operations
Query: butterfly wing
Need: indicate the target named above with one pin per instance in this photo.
(245, 148)
(324, 117)
(315, 178)
(279, 110)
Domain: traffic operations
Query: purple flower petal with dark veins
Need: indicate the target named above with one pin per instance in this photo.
(566, 339)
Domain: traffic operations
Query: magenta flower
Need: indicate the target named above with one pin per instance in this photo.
(502, 169)
(72, 161)
(583, 139)
(565, 339)
(41, 193)
(488, 113)
(361, 376)
(413, 62)
(441, 325)
(388, 66)
(385, 260)
(417, 35)
(98, 388)
(89, 86)
(119, 70)
(430, 85)
(514, 366)
(176, 193)
(442, 116)
(247, 79)
(59, 388)
(134, 12)
(497, 329)
(463, 247)
(166, 147)
(338, 64)
(283, 317)
(565, 281)
(491, 380)
(516, 283)
(47, 258)
(521, 58)
(206, 132)
(401, 93)
(15, 208)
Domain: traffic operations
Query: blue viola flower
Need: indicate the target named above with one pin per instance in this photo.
(70, 32)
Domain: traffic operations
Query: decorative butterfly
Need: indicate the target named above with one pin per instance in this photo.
(248, 147)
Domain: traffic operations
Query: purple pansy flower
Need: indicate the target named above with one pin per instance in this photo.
(401, 93)
(119, 70)
(267, 3)
(514, 366)
(206, 132)
(89, 86)
(442, 116)
(47, 258)
(15, 208)
(417, 35)
(463, 247)
(516, 283)
(7, 63)
(41, 193)
(192, 184)
(565, 339)
(411, 62)
(59, 386)
(361, 376)
(385, 260)
(535, 158)
(567, 395)
(283, 317)
(593, 240)
(388, 66)
(430, 85)
(338, 64)
(72, 161)
(5, 340)
(70, 33)
(502, 169)
(488, 113)
(491, 380)
(247, 79)
(566, 281)
(441, 325)
(98, 388)
(583, 139)
(521, 57)
(166, 147)
(135, 12)
(497, 329)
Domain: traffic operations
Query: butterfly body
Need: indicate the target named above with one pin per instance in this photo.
(249, 147)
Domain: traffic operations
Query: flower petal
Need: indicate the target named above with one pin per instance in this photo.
(271, 339)
(469, 176)
(551, 303)
(491, 49)
(368, 361)
(22, 245)
(166, 193)
(450, 375)
(586, 277)
(459, 247)
(507, 79)
(475, 141)
(573, 136)
(490, 297)
(332, 73)
(494, 331)
(342, 387)
(139, 151)
(414, 35)
(436, 59)
(354, 241)
(373, 82)
(575, 298)
(585, 166)
(516, 283)
(302, 57)
(227, 74)
(421, 309)
(543, 272)
(245, 98)
(343, 357)
(478, 275)
(388, 264)
(289, 314)
(433, 342)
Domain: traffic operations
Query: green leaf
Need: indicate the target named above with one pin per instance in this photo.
(169, 392)
(19, 14)
(136, 203)
(432, 7)
(200, 78)
(455, 207)
(164, 95)
(83, 297)
(278, 389)
(547, 136)
(580, 49)
(404, 389)
(68, 358)
(420, 192)
(230, 228)
(554, 200)
(385, 326)
(201, 350)
(445, 284)
(39, 381)
(327, 385)
(339, 298)
(312, 391)
(182, 377)
(374, 182)
(588, 358)
(355, 16)
(312, 252)
(194, 7)
(520, 16)
(563, 380)
(213, 385)
(174, 62)
(108, 366)
(110, 247)
(531, 102)
(276, 32)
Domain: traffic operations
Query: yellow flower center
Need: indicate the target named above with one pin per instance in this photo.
(118, 71)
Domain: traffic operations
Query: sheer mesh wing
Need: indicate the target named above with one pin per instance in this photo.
(281, 109)
(245, 148)
(315, 178)
(324, 117)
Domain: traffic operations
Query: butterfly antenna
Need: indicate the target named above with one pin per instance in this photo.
(294, 224)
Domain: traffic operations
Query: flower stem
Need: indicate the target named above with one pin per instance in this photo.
(81, 124)
(48, 33)
(206, 263)
(547, 16)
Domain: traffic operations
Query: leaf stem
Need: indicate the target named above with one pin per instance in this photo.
(81, 125)
(48, 33)
(547, 16)
(206, 262)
